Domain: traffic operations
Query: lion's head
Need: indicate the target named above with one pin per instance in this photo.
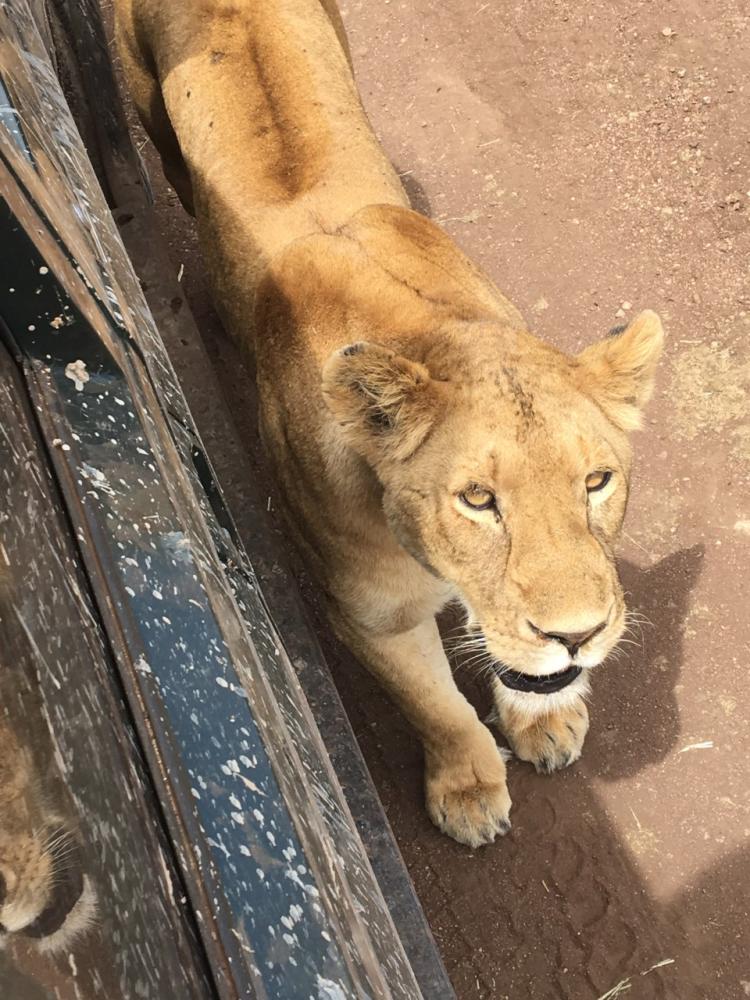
(504, 466)
(44, 894)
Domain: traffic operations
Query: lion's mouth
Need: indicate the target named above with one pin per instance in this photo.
(540, 683)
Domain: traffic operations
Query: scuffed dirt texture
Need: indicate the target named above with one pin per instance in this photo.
(595, 159)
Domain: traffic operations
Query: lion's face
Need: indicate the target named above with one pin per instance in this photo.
(509, 519)
(508, 479)
(44, 894)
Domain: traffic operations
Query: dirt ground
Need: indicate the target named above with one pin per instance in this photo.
(594, 158)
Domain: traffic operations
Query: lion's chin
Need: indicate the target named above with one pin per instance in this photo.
(529, 705)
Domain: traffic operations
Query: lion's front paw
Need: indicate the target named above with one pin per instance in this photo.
(549, 741)
(468, 802)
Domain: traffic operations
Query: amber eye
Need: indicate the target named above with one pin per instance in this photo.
(478, 498)
(596, 481)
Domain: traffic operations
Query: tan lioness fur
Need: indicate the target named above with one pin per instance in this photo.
(43, 893)
(399, 391)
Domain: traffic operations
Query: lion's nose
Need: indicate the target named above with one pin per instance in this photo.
(571, 640)
(3, 889)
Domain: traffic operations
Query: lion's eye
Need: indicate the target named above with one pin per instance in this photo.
(478, 498)
(596, 481)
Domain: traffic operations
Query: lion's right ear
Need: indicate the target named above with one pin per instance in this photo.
(384, 403)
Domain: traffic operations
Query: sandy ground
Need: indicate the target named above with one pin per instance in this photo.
(594, 158)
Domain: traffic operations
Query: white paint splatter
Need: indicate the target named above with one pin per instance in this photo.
(141, 664)
(328, 990)
(76, 372)
(252, 786)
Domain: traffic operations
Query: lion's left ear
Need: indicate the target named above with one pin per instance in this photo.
(618, 372)
(385, 404)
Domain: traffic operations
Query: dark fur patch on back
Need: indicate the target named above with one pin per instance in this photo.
(293, 156)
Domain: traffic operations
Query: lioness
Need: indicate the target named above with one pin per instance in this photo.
(44, 894)
(428, 447)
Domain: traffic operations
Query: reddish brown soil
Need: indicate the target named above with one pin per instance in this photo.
(589, 155)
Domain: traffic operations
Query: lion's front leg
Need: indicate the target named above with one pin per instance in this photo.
(548, 737)
(466, 791)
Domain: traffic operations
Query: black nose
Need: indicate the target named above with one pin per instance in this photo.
(3, 889)
(571, 640)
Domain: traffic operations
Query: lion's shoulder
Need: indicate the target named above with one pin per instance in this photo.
(388, 274)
